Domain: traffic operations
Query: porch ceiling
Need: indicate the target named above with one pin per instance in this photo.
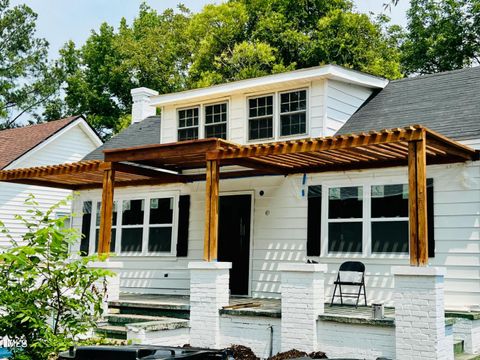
(168, 163)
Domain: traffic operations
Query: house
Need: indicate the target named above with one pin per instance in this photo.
(55, 142)
(326, 164)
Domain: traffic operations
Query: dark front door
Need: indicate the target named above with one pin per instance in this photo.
(234, 239)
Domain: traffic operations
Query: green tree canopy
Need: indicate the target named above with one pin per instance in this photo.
(441, 35)
(238, 39)
(26, 79)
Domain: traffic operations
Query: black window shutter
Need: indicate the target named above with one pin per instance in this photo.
(314, 220)
(430, 217)
(183, 221)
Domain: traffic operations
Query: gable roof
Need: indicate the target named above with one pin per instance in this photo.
(145, 132)
(16, 142)
(447, 102)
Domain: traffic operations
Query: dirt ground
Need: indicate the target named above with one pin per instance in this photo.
(244, 353)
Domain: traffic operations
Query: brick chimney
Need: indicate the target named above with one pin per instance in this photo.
(141, 107)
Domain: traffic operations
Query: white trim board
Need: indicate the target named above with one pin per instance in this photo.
(327, 71)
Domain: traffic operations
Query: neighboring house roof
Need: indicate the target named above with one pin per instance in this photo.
(334, 72)
(448, 103)
(145, 132)
(16, 142)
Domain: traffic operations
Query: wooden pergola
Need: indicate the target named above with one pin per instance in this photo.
(210, 160)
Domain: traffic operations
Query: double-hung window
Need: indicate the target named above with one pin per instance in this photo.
(188, 124)
(389, 218)
(139, 226)
(216, 121)
(345, 219)
(367, 219)
(260, 117)
(293, 113)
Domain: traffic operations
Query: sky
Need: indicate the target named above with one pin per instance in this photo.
(62, 20)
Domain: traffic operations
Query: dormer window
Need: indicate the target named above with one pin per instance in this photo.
(188, 124)
(293, 113)
(260, 117)
(216, 121)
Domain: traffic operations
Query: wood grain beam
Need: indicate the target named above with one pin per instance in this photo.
(417, 200)
(210, 244)
(106, 210)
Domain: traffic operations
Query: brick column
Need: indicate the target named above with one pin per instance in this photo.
(420, 314)
(303, 297)
(209, 292)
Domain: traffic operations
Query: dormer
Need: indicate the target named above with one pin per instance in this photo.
(304, 103)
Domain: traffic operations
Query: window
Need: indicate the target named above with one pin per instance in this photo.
(293, 113)
(345, 219)
(86, 223)
(114, 226)
(140, 226)
(389, 217)
(216, 121)
(188, 124)
(260, 118)
(160, 225)
(132, 225)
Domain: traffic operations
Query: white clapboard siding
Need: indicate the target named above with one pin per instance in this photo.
(237, 120)
(279, 234)
(342, 101)
(69, 146)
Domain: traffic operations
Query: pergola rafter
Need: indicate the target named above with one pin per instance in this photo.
(212, 160)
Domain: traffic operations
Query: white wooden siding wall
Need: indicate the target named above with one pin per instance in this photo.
(342, 101)
(71, 146)
(279, 235)
(237, 112)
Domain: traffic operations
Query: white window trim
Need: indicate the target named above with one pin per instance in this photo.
(146, 219)
(199, 127)
(276, 115)
(201, 117)
(366, 219)
(307, 114)
(274, 125)
(226, 122)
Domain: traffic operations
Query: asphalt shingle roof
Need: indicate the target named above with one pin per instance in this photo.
(16, 142)
(448, 103)
(145, 132)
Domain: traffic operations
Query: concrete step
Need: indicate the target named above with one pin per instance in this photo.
(467, 357)
(112, 331)
(122, 319)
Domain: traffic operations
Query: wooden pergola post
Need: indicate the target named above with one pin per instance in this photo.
(106, 211)
(417, 201)
(210, 244)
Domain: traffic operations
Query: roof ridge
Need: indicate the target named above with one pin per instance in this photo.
(66, 119)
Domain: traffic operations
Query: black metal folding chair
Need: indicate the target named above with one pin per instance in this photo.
(356, 270)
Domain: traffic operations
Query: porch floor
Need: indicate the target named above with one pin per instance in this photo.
(262, 307)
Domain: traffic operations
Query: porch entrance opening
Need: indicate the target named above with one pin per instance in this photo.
(234, 239)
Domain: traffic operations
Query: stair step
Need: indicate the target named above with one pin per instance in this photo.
(467, 357)
(122, 319)
(458, 346)
(112, 332)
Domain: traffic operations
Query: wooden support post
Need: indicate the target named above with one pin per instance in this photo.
(417, 199)
(106, 211)
(211, 211)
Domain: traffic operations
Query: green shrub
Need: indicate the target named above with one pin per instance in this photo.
(49, 297)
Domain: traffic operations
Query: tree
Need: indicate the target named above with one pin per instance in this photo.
(152, 52)
(47, 298)
(26, 79)
(238, 39)
(441, 35)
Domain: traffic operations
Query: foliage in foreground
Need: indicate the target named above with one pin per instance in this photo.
(47, 299)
